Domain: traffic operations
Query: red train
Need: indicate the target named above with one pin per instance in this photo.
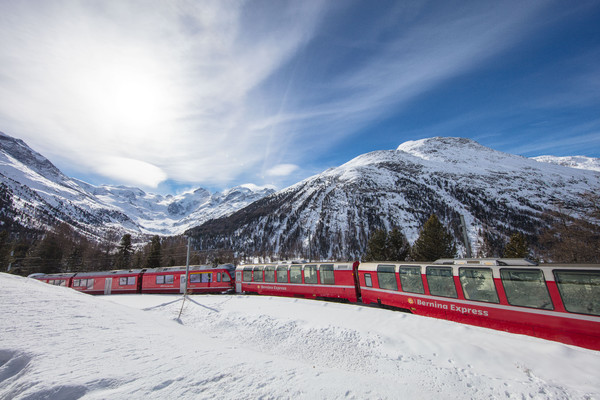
(555, 302)
(202, 279)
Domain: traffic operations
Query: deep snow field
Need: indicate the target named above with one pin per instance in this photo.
(56, 343)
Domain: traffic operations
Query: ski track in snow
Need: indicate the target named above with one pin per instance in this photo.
(56, 343)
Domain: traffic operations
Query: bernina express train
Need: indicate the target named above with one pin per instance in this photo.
(554, 302)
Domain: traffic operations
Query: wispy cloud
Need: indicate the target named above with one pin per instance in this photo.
(211, 91)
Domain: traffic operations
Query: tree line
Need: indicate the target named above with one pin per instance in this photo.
(65, 250)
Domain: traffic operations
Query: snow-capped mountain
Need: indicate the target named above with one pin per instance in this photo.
(36, 194)
(580, 162)
(331, 215)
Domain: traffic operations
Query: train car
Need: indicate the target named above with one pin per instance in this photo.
(202, 279)
(109, 282)
(554, 302)
(334, 281)
(63, 279)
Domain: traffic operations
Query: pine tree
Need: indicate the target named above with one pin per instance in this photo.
(376, 247)
(516, 247)
(154, 256)
(124, 252)
(434, 242)
(398, 247)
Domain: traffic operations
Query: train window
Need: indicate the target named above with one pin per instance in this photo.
(526, 288)
(90, 284)
(169, 279)
(206, 277)
(226, 278)
(410, 279)
(368, 281)
(310, 274)
(441, 281)
(270, 273)
(160, 279)
(580, 291)
(218, 277)
(76, 282)
(123, 281)
(258, 274)
(478, 284)
(247, 276)
(131, 280)
(327, 275)
(282, 275)
(296, 274)
(386, 276)
(194, 278)
(63, 282)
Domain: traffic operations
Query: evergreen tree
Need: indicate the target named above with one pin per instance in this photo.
(434, 242)
(398, 247)
(517, 247)
(124, 252)
(154, 256)
(387, 246)
(376, 247)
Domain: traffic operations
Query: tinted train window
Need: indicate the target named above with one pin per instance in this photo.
(478, 284)
(327, 276)
(282, 275)
(90, 284)
(270, 273)
(310, 274)
(160, 279)
(258, 274)
(441, 281)
(226, 278)
(131, 280)
(218, 277)
(123, 281)
(580, 291)
(526, 288)
(76, 282)
(296, 274)
(368, 281)
(169, 278)
(410, 279)
(387, 277)
(194, 278)
(247, 275)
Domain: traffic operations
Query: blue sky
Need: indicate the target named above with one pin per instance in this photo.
(170, 95)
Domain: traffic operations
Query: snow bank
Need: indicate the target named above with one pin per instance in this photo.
(57, 343)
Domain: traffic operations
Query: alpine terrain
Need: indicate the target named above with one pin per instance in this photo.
(36, 195)
(331, 215)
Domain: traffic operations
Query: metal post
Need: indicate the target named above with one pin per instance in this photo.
(187, 265)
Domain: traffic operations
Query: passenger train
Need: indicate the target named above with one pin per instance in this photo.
(549, 301)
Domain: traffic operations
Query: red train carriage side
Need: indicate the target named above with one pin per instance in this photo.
(308, 280)
(555, 302)
(202, 279)
(63, 279)
(109, 282)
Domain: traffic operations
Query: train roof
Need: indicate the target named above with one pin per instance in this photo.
(113, 272)
(229, 267)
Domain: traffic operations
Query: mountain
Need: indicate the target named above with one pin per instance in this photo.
(34, 194)
(331, 215)
(580, 162)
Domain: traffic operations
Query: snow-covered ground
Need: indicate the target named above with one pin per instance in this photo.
(56, 343)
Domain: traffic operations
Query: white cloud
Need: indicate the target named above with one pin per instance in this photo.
(282, 170)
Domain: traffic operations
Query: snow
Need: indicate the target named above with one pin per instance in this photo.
(56, 343)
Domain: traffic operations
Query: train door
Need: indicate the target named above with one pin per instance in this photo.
(182, 280)
(238, 281)
(107, 285)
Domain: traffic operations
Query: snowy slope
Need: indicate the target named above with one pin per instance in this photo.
(338, 209)
(42, 196)
(580, 162)
(232, 347)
